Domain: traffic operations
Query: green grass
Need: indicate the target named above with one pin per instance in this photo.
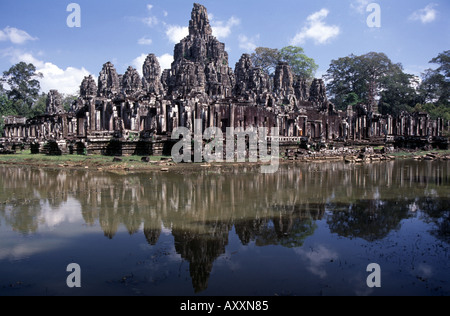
(25, 157)
(133, 162)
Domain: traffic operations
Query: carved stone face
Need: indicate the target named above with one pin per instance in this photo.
(88, 87)
(54, 103)
(131, 81)
(108, 81)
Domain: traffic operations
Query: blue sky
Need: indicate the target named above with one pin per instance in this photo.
(124, 32)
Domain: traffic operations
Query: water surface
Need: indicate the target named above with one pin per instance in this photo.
(309, 229)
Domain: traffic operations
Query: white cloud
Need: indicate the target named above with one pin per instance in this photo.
(150, 20)
(68, 212)
(176, 33)
(138, 62)
(316, 30)
(145, 41)
(425, 15)
(248, 44)
(16, 251)
(15, 36)
(66, 81)
(17, 56)
(222, 29)
(360, 6)
(165, 62)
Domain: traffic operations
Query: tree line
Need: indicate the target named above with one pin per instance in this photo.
(20, 93)
(371, 79)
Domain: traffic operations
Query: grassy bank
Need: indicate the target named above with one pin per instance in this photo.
(98, 162)
(81, 161)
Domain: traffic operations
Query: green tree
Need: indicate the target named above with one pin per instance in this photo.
(367, 76)
(68, 100)
(268, 59)
(375, 67)
(434, 91)
(435, 111)
(352, 99)
(6, 109)
(302, 65)
(2, 125)
(344, 80)
(40, 106)
(399, 94)
(24, 87)
(6, 106)
(435, 87)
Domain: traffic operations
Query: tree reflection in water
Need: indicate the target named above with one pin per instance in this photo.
(370, 220)
(437, 211)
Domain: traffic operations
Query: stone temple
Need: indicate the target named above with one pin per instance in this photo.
(126, 114)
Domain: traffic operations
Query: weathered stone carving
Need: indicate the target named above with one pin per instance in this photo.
(54, 103)
(284, 80)
(251, 82)
(301, 89)
(151, 81)
(131, 82)
(88, 87)
(317, 92)
(200, 61)
(199, 24)
(108, 81)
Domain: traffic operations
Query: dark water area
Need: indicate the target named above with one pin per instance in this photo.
(308, 229)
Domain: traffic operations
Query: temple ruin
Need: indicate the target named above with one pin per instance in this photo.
(126, 114)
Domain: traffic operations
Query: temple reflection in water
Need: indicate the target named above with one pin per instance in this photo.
(200, 209)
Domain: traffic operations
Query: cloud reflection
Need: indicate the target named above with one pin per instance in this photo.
(317, 258)
(68, 212)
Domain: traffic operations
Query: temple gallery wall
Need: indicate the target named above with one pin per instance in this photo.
(126, 114)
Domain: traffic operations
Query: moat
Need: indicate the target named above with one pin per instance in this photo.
(308, 229)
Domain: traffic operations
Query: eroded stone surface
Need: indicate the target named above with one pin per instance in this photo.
(88, 87)
(54, 103)
(151, 80)
(131, 82)
(317, 92)
(108, 81)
